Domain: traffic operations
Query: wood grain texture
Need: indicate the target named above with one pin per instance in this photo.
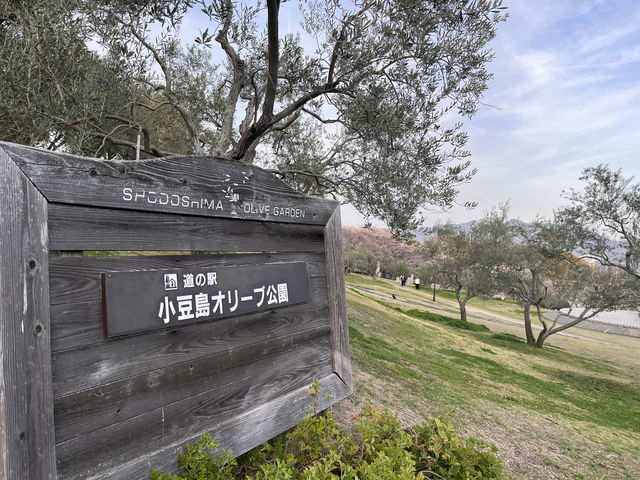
(237, 433)
(87, 228)
(84, 368)
(64, 178)
(207, 380)
(80, 325)
(337, 299)
(123, 406)
(26, 405)
(77, 279)
(76, 326)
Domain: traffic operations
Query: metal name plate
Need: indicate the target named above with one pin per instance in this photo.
(139, 301)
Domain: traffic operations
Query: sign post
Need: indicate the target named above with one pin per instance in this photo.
(111, 365)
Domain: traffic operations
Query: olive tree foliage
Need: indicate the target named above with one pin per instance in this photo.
(590, 290)
(602, 222)
(53, 90)
(453, 254)
(535, 265)
(360, 99)
(470, 261)
(543, 273)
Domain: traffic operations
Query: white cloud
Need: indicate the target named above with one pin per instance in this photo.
(568, 97)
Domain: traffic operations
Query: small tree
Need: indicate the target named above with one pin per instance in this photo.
(542, 273)
(392, 267)
(470, 262)
(535, 266)
(456, 266)
(590, 290)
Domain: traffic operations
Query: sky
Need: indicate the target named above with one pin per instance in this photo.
(565, 96)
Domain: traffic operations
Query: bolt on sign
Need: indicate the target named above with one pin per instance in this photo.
(111, 364)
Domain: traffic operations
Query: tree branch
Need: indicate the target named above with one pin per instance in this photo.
(125, 143)
(168, 92)
(237, 83)
(320, 119)
(273, 59)
(263, 126)
(148, 107)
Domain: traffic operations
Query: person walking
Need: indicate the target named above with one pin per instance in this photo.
(416, 282)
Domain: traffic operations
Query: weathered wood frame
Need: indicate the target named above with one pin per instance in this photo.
(40, 190)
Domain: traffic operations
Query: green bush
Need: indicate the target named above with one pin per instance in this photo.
(437, 450)
(200, 464)
(318, 450)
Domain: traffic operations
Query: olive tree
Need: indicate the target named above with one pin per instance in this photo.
(533, 266)
(362, 100)
(543, 273)
(471, 261)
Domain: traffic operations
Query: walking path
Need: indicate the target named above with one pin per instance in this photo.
(499, 318)
(601, 326)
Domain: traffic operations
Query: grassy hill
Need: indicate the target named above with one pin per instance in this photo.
(570, 410)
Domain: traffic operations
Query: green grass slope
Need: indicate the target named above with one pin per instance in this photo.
(570, 410)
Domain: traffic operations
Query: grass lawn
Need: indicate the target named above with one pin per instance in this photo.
(569, 410)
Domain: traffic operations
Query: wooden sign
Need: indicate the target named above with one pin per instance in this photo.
(148, 300)
(180, 354)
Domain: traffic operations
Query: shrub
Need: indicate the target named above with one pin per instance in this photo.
(200, 464)
(437, 450)
(318, 450)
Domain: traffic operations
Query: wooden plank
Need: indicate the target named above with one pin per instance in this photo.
(337, 300)
(87, 228)
(77, 279)
(26, 404)
(188, 383)
(85, 368)
(225, 402)
(77, 325)
(238, 432)
(188, 204)
(187, 185)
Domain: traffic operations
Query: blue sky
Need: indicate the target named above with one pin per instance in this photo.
(565, 96)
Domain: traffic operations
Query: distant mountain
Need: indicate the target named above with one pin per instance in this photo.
(420, 235)
(617, 249)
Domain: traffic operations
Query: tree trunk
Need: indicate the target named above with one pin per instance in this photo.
(463, 305)
(248, 139)
(531, 339)
(544, 334)
(463, 311)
